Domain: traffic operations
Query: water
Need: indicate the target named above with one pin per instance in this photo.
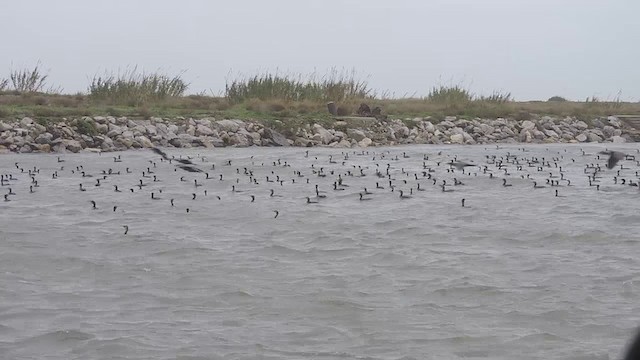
(516, 273)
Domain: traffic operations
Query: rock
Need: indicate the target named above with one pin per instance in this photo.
(598, 123)
(202, 130)
(178, 142)
(614, 121)
(365, 142)
(402, 132)
(580, 125)
(277, 138)
(25, 149)
(72, 145)
(357, 135)
(429, 127)
(44, 148)
(344, 143)
(102, 128)
(300, 141)
(5, 127)
(229, 125)
(26, 122)
(582, 138)
(608, 131)
(325, 135)
(528, 125)
(593, 137)
(457, 139)
(618, 139)
(446, 124)
(538, 135)
(144, 141)
(44, 138)
(551, 133)
(486, 129)
(240, 140)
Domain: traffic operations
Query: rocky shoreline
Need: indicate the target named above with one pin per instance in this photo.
(106, 133)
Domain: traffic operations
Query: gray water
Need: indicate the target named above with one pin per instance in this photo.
(516, 273)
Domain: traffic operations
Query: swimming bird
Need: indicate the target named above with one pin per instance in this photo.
(277, 213)
(126, 229)
(93, 203)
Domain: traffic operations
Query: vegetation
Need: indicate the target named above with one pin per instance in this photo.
(336, 86)
(133, 88)
(26, 81)
(270, 97)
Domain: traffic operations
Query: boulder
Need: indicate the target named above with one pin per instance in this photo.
(365, 142)
(618, 139)
(356, 134)
(26, 122)
(325, 135)
(593, 137)
(72, 145)
(582, 138)
(277, 138)
(203, 130)
(528, 125)
(5, 127)
(457, 139)
(44, 138)
(229, 125)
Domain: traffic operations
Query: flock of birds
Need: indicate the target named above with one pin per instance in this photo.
(381, 171)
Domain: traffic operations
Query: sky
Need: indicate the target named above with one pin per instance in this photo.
(531, 49)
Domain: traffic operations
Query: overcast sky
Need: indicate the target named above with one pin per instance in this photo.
(533, 49)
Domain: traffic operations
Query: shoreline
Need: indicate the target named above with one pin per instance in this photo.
(109, 133)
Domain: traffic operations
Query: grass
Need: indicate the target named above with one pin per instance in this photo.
(272, 98)
(335, 86)
(135, 88)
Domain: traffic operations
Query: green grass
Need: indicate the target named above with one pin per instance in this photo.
(335, 86)
(135, 88)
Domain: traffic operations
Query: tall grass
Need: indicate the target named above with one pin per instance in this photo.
(3, 84)
(27, 80)
(135, 88)
(454, 94)
(497, 97)
(335, 86)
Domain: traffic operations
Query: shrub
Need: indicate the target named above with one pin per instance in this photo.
(557, 98)
(335, 86)
(28, 81)
(449, 94)
(87, 127)
(135, 89)
(497, 97)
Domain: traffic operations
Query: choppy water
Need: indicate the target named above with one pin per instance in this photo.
(517, 273)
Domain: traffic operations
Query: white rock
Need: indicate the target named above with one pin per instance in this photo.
(457, 139)
(582, 138)
(528, 125)
(229, 125)
(325, 135)
(365, 142)
(618, 139)
(26, 121)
